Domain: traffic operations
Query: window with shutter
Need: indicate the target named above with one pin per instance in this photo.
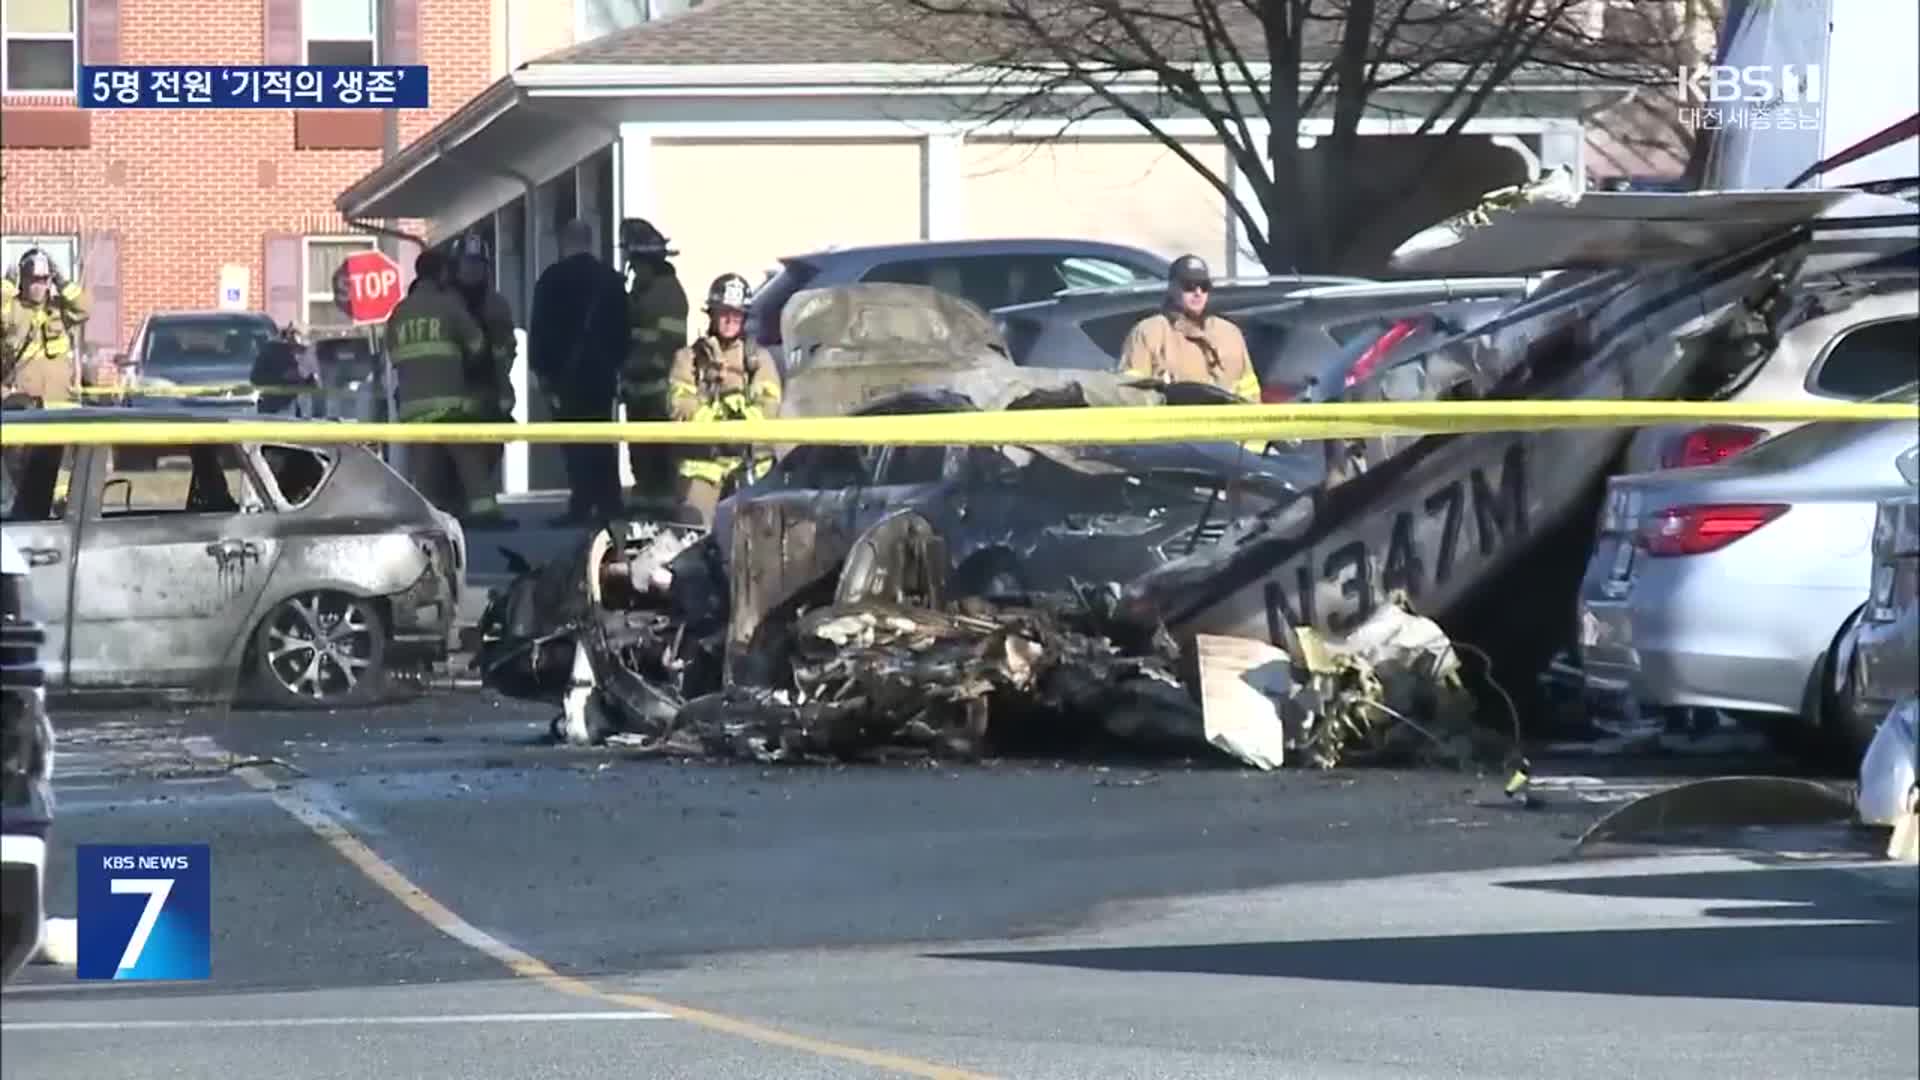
(339, 32)
(42, 46)
(324, 256)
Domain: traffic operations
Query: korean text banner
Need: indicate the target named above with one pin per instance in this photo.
(215, 86)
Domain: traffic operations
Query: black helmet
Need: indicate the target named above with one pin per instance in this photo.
(34, 263)
(473, 246)
(728, 291)
(638, 238)
(1189, 270)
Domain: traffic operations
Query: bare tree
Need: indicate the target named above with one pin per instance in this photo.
(1255, 69)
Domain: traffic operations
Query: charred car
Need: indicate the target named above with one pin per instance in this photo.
(871, 543)
(302, 575)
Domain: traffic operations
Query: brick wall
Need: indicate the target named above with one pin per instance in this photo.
(160, 200)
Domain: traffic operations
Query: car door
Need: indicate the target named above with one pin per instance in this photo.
(173, 560)
(40, 514)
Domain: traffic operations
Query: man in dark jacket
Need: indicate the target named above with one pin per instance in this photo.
(576, 343)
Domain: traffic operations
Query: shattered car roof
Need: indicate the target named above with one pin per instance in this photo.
(850, 344)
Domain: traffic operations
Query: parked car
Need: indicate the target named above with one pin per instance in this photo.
(1846, 338)
(1728, 586)
(196, 350)
(306, 574)
(1316, 343)
(1879, 662)
(1085, 328)
(990, 273)
(26, 767)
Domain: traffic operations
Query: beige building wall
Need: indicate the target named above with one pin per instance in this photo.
(739, 205)
(1124, 190)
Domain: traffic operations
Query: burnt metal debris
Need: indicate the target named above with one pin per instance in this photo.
(654, 646)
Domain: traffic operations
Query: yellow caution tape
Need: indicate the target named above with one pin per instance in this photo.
(1077, 426)
(216, 390)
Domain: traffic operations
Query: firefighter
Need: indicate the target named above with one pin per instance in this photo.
(433, 344)
(722, 376)
(39, 317)
(657, 330)
(473, 278)
(1183, 343)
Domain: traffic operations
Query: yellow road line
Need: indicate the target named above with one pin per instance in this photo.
(527, 966)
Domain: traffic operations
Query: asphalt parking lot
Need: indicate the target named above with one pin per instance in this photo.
(430, 890)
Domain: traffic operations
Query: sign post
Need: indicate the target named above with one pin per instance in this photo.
(367, 287)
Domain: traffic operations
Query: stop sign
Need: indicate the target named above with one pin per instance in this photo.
(367, 286)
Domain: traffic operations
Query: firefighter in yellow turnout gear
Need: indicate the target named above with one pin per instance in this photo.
(435, 345)
(657, 330)
(722, 376)
(40, 315)
(473, 280)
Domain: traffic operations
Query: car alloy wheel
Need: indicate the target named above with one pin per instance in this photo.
(323, 648)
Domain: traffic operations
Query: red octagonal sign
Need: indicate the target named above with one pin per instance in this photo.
(367, 286)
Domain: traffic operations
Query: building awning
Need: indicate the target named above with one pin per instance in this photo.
(480, 158)
(542, 119)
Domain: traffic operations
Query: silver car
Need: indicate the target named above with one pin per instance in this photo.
(1847, 338)
(1879, 661)
(1728, 586)
(305, 574)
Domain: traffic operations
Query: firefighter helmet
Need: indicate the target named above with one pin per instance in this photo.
(473, 246)
(639, 239)
(35, 264)
(728, 291)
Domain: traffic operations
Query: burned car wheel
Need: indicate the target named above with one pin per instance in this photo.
(320, 649)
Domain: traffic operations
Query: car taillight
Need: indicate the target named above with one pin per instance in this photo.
(1697, 530)
(1707, 445)
(1278, 394)
(1395, 334)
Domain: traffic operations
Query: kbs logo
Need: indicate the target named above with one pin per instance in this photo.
(1756, 97)
(145, 911)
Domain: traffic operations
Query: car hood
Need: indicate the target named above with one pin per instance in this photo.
(851, 344)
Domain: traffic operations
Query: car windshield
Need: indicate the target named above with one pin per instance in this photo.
(183, 344)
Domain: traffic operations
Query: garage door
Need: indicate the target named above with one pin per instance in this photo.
(1126, 191)
(741, 204)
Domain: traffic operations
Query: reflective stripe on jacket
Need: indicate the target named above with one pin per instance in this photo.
(708, 370)
(657, 329)
(431, 341)
(37, 353)
(715, 463)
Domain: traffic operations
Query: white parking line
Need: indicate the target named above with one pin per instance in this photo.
(327, 1021)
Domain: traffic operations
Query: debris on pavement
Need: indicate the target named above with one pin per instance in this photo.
(1390, 688)
(820, 648)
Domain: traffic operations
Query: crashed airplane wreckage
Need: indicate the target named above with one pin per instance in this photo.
(961, 600)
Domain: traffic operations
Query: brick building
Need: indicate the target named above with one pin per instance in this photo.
(152, 204)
